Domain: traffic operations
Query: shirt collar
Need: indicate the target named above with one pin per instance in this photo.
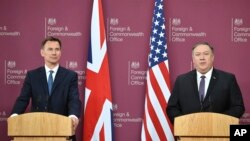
(208, 74)
(55, 69)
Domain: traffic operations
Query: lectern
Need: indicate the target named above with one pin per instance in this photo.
(203, 127)
(40, 126)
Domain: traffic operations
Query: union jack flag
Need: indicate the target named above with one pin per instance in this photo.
(156, 124)
(98, 102)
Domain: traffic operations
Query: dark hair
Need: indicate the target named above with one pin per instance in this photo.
(203, 43)
(51, 39)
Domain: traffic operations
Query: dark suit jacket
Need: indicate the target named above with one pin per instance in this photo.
(223, 96)
(64, 99)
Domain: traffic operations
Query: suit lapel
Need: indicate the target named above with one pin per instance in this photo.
(212, 83)
(43, 80)
(195, 85)
(59, 78)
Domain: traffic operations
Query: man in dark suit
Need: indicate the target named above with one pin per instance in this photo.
(61, 97)
(218, 92)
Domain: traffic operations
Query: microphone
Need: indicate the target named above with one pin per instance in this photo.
(207, 105)
(210, 100)
(201, 107)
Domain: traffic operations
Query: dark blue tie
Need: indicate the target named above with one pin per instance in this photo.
(50, 81)
(202, 88)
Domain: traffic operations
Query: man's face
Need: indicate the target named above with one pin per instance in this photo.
(51, 52)
(203, 58)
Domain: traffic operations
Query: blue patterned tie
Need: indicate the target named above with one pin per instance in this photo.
(202, 88)
(50, 81)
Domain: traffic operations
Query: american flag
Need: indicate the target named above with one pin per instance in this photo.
(156, 124)
(98, 102)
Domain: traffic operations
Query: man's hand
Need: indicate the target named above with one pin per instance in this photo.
(15, 114)
(75, 121)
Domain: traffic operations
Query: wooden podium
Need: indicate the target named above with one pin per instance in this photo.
(203, 127)
(40, 126)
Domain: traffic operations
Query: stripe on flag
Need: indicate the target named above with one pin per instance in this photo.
(156, 124)
(97, 118)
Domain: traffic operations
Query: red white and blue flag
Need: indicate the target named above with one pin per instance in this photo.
(156, 124)
(98, 102)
